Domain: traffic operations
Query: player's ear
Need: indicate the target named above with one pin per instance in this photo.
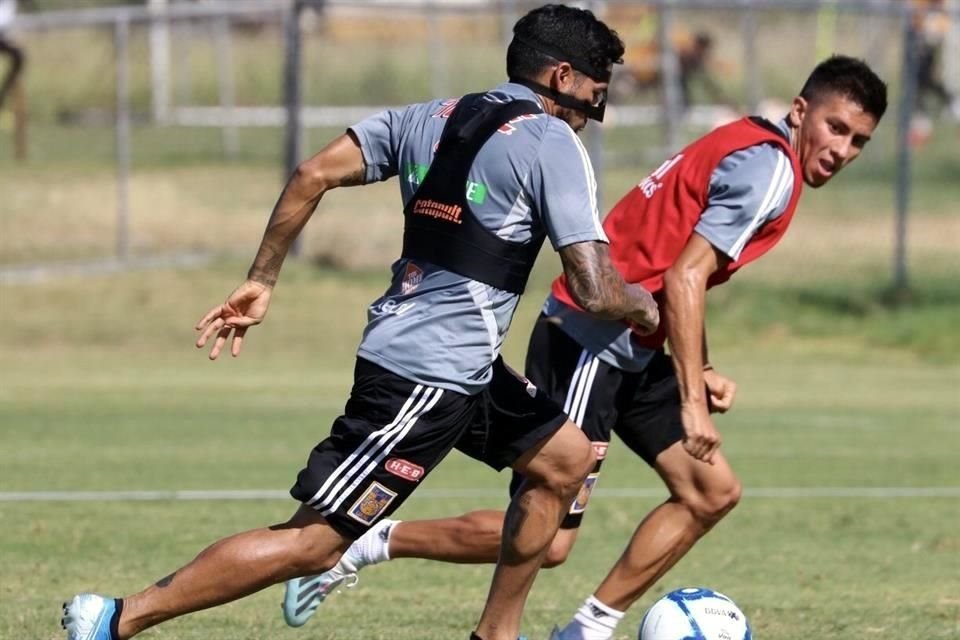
(564, 77)
(798, 109)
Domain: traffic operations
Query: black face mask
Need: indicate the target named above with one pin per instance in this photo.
(593, 110)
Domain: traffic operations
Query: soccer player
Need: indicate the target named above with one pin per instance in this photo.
(719, 204)
(484, 180)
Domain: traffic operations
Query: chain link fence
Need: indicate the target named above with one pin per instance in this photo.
(164, 131)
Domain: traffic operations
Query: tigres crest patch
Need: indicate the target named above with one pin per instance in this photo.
(412, 278)
(372, 503)
(580, 504)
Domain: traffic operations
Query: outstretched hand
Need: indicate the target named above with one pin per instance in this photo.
(244, 308)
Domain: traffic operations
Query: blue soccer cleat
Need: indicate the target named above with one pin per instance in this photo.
(89, 617)
(302, 596)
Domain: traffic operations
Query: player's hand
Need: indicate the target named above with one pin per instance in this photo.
(244, 308)
(701, 438)
(722, 390)
(646, 319)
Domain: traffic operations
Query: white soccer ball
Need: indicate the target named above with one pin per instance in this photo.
(694, 614)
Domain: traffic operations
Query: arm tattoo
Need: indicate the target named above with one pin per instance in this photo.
(267, 270)
(165, 582)
(596, 285)
(356, 178)
(516, 516)
(592, 280)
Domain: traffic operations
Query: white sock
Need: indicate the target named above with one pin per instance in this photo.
(370, 548)
(593, 621)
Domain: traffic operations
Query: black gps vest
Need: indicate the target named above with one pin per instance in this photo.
(439, 226)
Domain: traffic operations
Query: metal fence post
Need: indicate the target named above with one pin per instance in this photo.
(670, 80)
(121, 34)
(951, 49)
(292, 98)
(439, 68)
(907, 100)
(225, 84)
(751, 62)
(160, 61)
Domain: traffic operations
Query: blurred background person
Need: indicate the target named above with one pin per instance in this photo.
(9, 50)
(931, 23)
(695, 61)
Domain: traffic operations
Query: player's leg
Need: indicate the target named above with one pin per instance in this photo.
(569, 375)
(235, 567)
(522, 431)
(521, 427)
(346, 486)
(585, 388)
(553, 473)
(389, 464)
(15, 54)
(472, 538)
(700, 495)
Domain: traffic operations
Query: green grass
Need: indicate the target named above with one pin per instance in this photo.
(102, 390)
(840, 383)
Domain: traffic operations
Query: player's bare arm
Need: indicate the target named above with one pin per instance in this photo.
(339, 164)
(685, 292)
(599, 288)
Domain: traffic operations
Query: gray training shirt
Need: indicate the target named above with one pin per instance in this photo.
(747, 189)
(531, 178)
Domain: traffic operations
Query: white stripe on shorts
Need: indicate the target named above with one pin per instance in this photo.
(387, 446)
(580, 385)
(414, 406)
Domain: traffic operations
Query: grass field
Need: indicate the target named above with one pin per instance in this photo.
(101, 390)
(845, 432)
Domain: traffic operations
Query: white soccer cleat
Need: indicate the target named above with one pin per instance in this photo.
(88, 617)
(302, 596)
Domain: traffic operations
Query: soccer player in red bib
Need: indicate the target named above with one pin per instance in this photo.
(719, 204)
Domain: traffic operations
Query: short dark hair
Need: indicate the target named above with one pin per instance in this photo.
(851, 78)
(563, 30)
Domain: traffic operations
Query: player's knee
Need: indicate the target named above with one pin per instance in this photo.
(310, 544)
(711, 503)
(557, 554)
(312, 553)
(581, 463)
(563, 474)
(569, 478)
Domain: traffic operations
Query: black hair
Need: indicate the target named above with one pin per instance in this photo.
(851, 78)
(574, 33)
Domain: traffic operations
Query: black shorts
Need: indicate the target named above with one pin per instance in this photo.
(642, 408)
(394, 432)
